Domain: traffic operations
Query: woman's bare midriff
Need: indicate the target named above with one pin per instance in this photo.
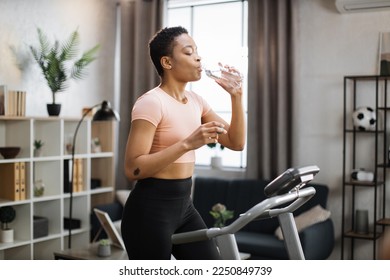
(176, 171)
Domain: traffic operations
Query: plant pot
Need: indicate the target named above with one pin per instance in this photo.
(216, 162)
(53, 109)
(37, 152)
(6, 235)
(104, 250)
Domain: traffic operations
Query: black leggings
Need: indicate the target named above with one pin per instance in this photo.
(156, 209)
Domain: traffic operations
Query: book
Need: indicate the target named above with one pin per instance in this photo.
(79, 175)
(23, 105)
(74, 175)
(22, 180)
(10, 181)
(74, 180)
(67, 178)
(11, 96)
(3, 93)
(12, 102)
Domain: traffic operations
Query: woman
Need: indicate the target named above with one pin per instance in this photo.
(168, 124)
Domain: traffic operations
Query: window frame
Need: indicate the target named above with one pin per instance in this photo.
(192, 5)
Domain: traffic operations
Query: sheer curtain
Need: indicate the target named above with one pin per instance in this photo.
(270, 89)
(140, 19)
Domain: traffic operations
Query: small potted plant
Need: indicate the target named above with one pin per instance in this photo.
(7, 215)
(96, 146)
(221, 214)
(60, 63)
(104, 248)
(38, 144)
(216, 160)
(39, 188)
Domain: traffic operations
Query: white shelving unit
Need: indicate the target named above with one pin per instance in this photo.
(49, 167)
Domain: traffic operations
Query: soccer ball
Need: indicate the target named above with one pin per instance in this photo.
(364, 118)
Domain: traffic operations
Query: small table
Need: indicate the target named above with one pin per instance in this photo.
(90, 253)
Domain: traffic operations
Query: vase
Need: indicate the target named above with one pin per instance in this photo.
(37, 152)
(104, 250)
(6, 235)
(216, 162)
(53, 109)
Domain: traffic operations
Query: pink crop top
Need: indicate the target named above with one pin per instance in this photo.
(174, 121)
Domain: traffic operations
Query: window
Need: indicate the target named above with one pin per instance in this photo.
(219, 29)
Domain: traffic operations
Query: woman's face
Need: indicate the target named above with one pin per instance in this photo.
(186, 66)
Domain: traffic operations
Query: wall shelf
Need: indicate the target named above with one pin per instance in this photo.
(55, 132)
(368, 149)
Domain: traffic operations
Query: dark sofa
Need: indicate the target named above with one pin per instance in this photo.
(258, 238)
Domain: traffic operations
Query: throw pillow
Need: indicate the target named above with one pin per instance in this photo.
(121, 196)
(315, 215)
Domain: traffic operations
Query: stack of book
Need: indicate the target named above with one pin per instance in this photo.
(77, 177)
(12, 102)
(13, 181)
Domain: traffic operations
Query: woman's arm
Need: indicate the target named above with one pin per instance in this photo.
(139, 163)
(236, 131)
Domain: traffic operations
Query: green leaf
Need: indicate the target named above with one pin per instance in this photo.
(58, 62)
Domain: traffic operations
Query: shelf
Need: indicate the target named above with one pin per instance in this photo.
(102, 190)
(369, 236)
(383, 165)
(53, 204)
(384, 222)
(364, 149)
(368, 77)
(363, 184)
(363, 131)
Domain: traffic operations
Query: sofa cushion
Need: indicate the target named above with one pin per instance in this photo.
(253, 243)
(315, 215)
(121, 196)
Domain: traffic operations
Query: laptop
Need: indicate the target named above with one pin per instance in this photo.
(108, 226)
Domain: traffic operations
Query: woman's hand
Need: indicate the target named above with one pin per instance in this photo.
(231, 80)
(205, 134)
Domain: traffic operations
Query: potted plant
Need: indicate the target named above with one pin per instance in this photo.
(7, 215)
(221, 214)
(60, 62)
(38, 144)
(96, 146)
(216, 160)
(104, 248)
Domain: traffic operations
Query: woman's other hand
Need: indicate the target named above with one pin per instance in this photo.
(206, 133)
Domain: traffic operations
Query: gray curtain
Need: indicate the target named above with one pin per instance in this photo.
(270, 89)
(140, 19)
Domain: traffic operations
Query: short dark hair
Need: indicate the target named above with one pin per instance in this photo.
(162, 44)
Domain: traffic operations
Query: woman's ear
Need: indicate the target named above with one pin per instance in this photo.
(166, 62)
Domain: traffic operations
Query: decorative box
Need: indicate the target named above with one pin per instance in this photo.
(96, 183)
(41, 227)
(74, 224)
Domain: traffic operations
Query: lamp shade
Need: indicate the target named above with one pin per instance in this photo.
(105, 113)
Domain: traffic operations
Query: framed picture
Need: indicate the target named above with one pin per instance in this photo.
(109, 228)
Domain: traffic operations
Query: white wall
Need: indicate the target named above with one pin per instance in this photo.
(329, 46)
(95, 20)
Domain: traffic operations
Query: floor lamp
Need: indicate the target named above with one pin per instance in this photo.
(105, 113)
